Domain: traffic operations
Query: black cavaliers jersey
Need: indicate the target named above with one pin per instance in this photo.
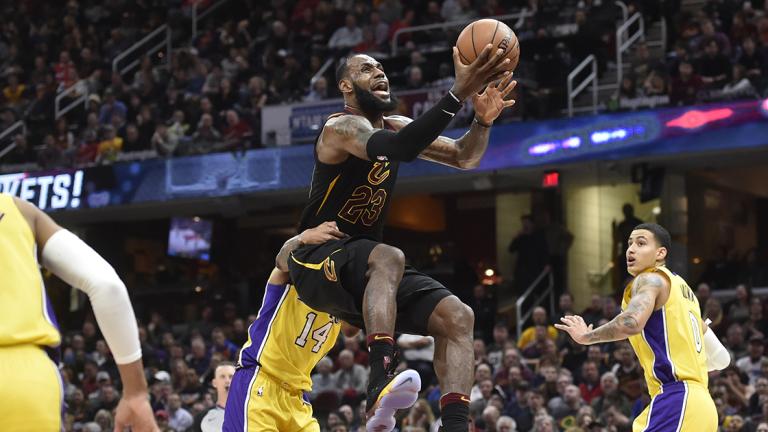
(355, 193)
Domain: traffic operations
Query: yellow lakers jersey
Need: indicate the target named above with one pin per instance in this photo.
(26, 315)
(670, 347)
(288, 337)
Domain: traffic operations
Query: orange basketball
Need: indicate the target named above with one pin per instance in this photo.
(482, 32)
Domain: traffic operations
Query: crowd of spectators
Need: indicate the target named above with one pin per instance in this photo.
(541, 381)
(209, 95)
(718, 53)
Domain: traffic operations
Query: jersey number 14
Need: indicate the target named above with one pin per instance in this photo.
(320, 335)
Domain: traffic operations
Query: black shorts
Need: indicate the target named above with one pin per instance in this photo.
(331, 277)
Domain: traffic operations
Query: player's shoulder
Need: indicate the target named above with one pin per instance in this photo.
(655, 279)
(346, 123)
(398, 119)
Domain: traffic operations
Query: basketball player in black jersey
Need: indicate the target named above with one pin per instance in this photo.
(363, 281)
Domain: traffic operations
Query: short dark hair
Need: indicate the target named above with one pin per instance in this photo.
(342, 70)
(659, 233)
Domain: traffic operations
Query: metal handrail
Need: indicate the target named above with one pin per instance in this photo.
(591, 78)
(520, 16)
(80, 87)
(206, 12)
(320, 72)
(549, 291)
(140, 44)
(11, 129)
(623, 45)
(624, 10)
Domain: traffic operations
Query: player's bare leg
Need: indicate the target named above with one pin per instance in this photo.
(452, 324)
(386, 393)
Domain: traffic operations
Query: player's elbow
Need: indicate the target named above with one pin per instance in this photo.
(106, 285)
(467, 164)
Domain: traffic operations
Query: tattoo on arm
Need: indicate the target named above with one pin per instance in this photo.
(463, 153)
(631, 321)
(354, 131)
(281, 261)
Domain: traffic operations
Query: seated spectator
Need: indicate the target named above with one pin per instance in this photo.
(415, 78)
(590, 382)
(759, 398)
(735, 342)
(199, 358)
(547, 384)
(482, 373)
(179, 419)
(655, 84)
(318, 90)
(709, 34)
(132, 140)
(380, 28)
(22, 152)
(628, 371)
(753, 60)
(495, 351)
(737, 310)
(751, 364)
(568, 405)
(594, 312)
(323, 380)
(237, 133)
(714, 312)
(110, 146)
(490, 416)
(685, 88)
(612, 405)
(111, 106)
(418, 352)
(482, 392)
(739, 86)
(351, 378)
(703, 293)
(420, 416)
(163, 141)
(220, 344)
(347, 36)
(206, 137)
(757, 325)
(527, 337)
(14, 93)
(714, 66)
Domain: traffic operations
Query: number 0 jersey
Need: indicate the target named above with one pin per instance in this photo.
(670, 347)
(288, 337)
(354, 193)
(26, 315)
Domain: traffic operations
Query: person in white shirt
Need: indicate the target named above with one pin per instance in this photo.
(179, 419)
(347, 36)
(752, 362)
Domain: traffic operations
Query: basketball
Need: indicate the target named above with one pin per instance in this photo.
(478, 34)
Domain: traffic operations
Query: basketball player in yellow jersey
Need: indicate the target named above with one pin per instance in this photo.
(660, 317)
(30, 386)
(269, 392)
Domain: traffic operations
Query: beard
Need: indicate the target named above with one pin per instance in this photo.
(370, 104)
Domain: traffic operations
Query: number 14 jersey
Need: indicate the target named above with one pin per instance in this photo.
(670, 347)
(288, 337)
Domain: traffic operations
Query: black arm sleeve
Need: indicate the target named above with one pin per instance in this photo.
(408, 142)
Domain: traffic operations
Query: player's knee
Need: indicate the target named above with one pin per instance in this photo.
(453, 319)
(387, 257)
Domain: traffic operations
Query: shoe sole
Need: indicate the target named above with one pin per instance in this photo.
(401, 393)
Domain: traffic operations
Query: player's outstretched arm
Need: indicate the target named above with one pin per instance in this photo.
(69, 258)
(320, 234)
(645, 291)
(355, 135)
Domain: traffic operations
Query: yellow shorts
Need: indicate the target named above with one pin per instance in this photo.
(30, 390)
(681, 406)
(265, 405)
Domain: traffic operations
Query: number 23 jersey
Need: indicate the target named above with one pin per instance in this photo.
(288, 337)
(354, 193)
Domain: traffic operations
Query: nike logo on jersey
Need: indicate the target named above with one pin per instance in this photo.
(2, 215)
(379, 337)
(449, 113)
